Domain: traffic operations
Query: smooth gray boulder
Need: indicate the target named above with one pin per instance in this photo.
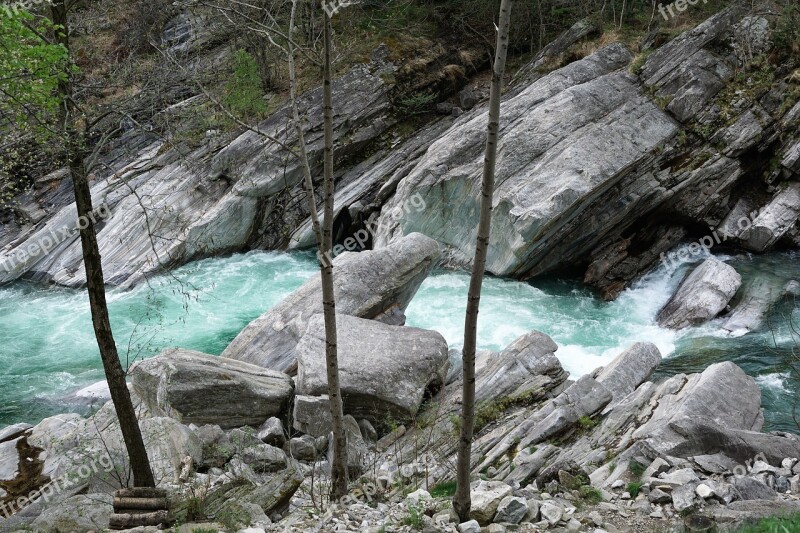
(525, 366)
(384, 371)
(366, 284)
(774, 220)
(701, 296)
(722, 394)
(197, 388)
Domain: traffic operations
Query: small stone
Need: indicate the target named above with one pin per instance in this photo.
(789, 463)
(573, 525)
(782, 484)
(618, 484)
(511, 510)
(469, 527)
(551, 512)
(368, 432)
(271, 432)
(659, 496)
(302, 448)
(418, 496)
(704, 491)
(533, 510)
(596, 518)
(625, 496)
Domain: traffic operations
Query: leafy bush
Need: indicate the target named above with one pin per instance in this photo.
(787, 29)
(243, 95)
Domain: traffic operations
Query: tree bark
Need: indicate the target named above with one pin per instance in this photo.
(461, 500)
(339, 463)
(75, 142)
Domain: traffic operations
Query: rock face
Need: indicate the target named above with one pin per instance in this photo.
(384, 371)
(549, 167)
(203, 389)
(366, 285)
(163, 208)
(702, 295)
(629, 370)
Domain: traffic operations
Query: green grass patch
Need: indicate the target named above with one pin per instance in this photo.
(443, 490)
(634, 489)
(590, 494)
(774, 525)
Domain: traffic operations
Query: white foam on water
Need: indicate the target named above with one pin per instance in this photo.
(776, 381)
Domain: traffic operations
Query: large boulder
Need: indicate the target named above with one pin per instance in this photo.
(702, 295)
(203, 389)
(759, 295)
(571, 137)
(90, 512)
(91, 453)
(366, 285)
(384, 371)
(526, 367)
(722, 396)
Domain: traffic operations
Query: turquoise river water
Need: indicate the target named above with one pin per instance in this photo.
(47, 349)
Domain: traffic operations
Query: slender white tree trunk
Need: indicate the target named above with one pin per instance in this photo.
(461, 501)
(339, 463)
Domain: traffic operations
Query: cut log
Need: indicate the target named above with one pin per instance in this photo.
(145, 504)
(130, 521)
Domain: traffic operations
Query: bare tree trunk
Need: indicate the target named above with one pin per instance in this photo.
(461, 501)
(339, 463)
(129, 425)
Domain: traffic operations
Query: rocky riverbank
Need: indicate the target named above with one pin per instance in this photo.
(240, 446)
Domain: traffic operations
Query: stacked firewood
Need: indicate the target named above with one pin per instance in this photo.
(139, 507)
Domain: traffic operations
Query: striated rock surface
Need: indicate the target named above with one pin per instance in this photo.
(702, 295)
(366, 284)
(384, 371)
(196, 388)
(549, 167)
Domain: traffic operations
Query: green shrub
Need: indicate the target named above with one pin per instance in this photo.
(414, 518)
(787, 29)
(243, 95)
